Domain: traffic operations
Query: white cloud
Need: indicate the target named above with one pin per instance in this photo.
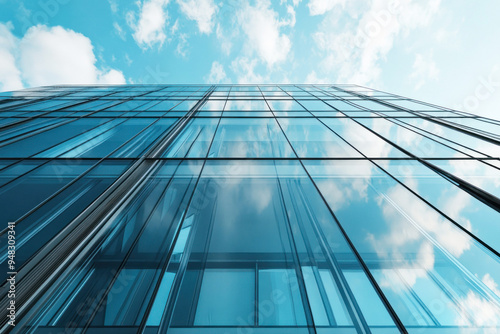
(10, 76)
(262, 27)
(313, 78)
(119, 31)
(217, 74)
(244, 69)
(113, 4)
(354, 42)
(128, 60)
(182, 45)
(201, 11)
(319, 7)
(424, 68)
(294, 2)
(46, 56)
(292, 20)
(111, 77)
(149, 29)
(224, 40)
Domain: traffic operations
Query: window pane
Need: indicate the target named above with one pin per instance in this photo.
(311, 139)
(250, 137)
(279, 298)
(226, 297)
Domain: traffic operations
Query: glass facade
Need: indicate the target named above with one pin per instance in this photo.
(247, 209)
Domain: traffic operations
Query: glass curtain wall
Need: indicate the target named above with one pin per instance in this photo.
(247, 209)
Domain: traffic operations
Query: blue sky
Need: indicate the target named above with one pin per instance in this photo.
(445, 52)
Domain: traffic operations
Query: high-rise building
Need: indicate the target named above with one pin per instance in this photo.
(246, 209)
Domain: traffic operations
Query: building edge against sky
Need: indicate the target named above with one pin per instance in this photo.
(247, 209)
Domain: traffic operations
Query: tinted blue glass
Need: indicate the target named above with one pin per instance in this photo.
(451, 137)
(362, 139)
(226, 296)
(285, 105)
(53, 214)
(107, 137)
(251, 137)
(118, 279)
(480, 174)
(413, 142)
(194, 140)
(478, 125)
(388, 224)
(27, 127)
(246, 105)
(310, 139)
(453, 201)
(34, 144)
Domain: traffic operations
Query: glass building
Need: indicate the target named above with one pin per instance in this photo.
(247, 209)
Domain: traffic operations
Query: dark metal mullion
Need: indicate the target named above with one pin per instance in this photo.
(69, 121)
(50, 127)
(96, 208)
(23, 120)
(360, 317)
(372, 280)
(132, 247)
(427, 202)
(399, 97)
(489, 199)
(390, 120)
(442, 213)
(422, 115)
(409, 126)
(49, 264)
(174, 290)
(203, 263)
(463, 229)
(339, 136)
(81, 175)
(156, 152)
(176, 284)
(353, 308)
(164, 261)
(366, 270)
(485, 160)
(87, 100)
(338, 276)
(312, 259)
(294, 252)
(306, 304)
(130, 250)
(72, 181)
(467, 129)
